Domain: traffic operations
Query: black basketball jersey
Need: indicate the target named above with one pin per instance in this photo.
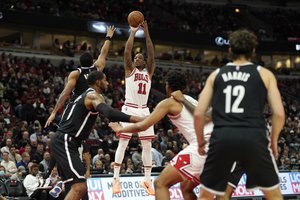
(81, 84)
(79, 121)
(239, 97)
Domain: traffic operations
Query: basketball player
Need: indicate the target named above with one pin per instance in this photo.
(77, 83)
(77, 127)
(238, 92)
(187, 165)
(138, 75)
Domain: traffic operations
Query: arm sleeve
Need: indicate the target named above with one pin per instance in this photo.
(112, 114)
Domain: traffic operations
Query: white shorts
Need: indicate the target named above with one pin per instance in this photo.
(189, 163)
(141, 112)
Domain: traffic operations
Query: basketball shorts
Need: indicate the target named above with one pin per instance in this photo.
(189, 163)
(250, 147)
(141, 112)
(65, 152)
(236, 174)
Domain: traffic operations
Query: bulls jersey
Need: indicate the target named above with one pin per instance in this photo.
(138, 86)
(184, 121)
(239, 97)
(79, 121)
(81, 84)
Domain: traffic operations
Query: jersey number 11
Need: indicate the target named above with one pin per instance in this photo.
(142, 88)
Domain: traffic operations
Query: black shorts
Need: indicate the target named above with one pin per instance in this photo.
(248, 146)
(236, 174)
(65, 152)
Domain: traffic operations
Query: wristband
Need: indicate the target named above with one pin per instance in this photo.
(108, 38)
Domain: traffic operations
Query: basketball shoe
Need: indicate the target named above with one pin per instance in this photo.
(147, 185)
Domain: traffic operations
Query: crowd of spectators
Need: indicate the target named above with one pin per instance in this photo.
(30, 87)
(268, 23)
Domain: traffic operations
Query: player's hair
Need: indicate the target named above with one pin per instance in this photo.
(242, 42)
(94, 76)
(176, 80)
(86, 60)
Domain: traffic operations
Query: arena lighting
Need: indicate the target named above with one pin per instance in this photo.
(297, 47)
(220, 41)
(100, 27)
(237, 10)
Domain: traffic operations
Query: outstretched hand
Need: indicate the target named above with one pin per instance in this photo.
(177, 95)
(49, 120)
(110, 31)
(115, 126)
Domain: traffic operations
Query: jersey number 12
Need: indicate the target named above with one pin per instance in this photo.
(238, 92)
(142, 88)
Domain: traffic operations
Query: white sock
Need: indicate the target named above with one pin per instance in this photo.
(147, 158)
(116, 171)
(119, 156)
(147, 173)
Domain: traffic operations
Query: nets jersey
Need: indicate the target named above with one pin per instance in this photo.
(185, 124)
(79, 121)
(81, 83)
(239, 97)
(138, 86)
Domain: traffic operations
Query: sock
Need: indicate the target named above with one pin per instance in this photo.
(119, 155)
(147, 173)
(147, 158)
(116, 171)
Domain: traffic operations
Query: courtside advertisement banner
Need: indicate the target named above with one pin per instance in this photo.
(101, 188)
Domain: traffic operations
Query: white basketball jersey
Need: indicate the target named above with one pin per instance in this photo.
(184, 121)
(138, 86)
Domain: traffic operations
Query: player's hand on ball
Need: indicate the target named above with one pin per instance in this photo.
(144, 25)
(135, 29)
(115, 126)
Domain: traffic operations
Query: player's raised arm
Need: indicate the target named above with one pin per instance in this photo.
(128, 51)
(101, 61)
(65, 94)
(150, 49)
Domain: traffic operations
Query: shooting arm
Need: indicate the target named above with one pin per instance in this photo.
(150, 50)
(128, 52)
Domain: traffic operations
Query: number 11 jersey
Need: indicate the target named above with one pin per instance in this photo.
(138, 86)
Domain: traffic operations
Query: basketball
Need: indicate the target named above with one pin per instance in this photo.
(135, 18)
